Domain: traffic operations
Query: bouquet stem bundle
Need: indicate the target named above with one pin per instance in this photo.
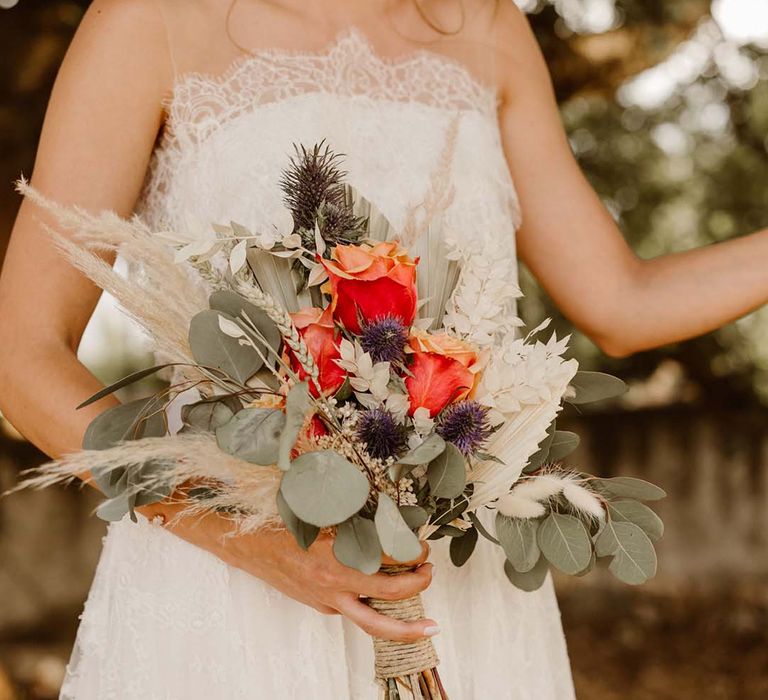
(405, 670)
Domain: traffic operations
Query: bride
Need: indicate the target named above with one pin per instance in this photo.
(184, 111)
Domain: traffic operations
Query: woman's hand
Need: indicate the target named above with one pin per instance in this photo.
(313, 577)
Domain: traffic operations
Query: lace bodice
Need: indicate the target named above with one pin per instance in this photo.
(228, 137)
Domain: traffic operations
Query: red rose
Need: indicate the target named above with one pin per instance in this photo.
(316, 328)
(371, 282)
(443, 371)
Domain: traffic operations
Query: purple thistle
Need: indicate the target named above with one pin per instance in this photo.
(465, 425)
(384, 339)
(383, 436)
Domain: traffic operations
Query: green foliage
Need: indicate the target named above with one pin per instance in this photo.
(297, 404)
(304, 533)
(461, 548)
(357, 545)
(447, 473)
(323, 489)
(518, 539)
(253, 434)
(211, 347)
(565, 542)
(396, 537)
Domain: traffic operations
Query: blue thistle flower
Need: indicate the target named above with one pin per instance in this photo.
(385, 339)
(465, 425)
(383, 435)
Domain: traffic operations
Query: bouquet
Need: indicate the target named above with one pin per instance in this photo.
(347, 379)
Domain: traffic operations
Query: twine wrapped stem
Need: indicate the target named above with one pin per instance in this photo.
(405, 670)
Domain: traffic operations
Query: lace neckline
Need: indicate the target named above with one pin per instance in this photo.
(350, 52)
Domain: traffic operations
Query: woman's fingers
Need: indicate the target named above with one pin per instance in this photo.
(395, 586)
(383, 627)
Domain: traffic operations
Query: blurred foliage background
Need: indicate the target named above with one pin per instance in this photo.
(666, 105)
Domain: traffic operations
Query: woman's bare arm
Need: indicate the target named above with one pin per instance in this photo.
(574, 247)
(102, 122)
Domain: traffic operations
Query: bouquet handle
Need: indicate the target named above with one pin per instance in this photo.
(405, 670)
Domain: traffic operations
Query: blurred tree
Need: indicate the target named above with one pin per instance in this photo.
(684, 169)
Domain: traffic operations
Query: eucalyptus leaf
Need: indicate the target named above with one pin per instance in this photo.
(234, 306)
(297, 405)
(517, 537)
(563, 443)
(448, 510)
(304, 533)
(208, 415)
(634, 558)
(565, 542)
(639, 514)
(595, 386)
(629, 487)
(414, 516)
(357, 545)
(446, 531)
(447, 473)
(590, 566)
(528, 581)
(481, 528)
(323, 489)
(128, 421)
(425, 452)
(397, 539)
(213, 348)
(125, 381)
(253, 434)
(461, 548)
(114, 509)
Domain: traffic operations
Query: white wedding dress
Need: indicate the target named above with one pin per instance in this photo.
(168, 621)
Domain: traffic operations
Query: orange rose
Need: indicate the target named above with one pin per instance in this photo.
(371, 282)
(316, 328)
(443, 370)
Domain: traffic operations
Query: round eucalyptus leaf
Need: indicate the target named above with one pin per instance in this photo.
(447, 473)
(206, 416)
(235, 306)
(357, 545)
(114, 509)
(397, 539)
(323, 489)
(213, 348)
(565, 542)
(528, 581)
(629, 487)
(253, 434)
(595, 386)
(517, 537)
(415, 516)
(128, 421)
(304, 533)
(425, 452)
(640, 514)
(563, 443)
(634, 561)
(461, 548)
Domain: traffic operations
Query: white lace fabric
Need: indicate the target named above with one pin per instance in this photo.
(168, 621)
